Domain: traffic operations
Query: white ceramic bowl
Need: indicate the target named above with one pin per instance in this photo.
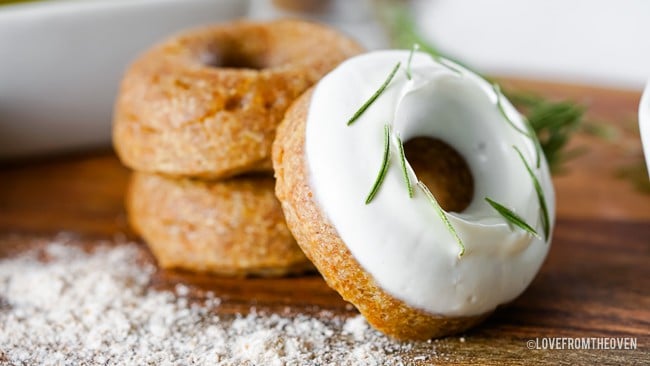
(644, 124)
(61, 62)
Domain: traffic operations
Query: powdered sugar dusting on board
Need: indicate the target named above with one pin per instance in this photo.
(63, 305)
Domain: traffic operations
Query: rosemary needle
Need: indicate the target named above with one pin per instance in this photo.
(530, 132)
(540, 195)
(408, 64)
(538, 145)
(497, 91)
(402, 158)
(384, 166)
(511, 216)
(443, 217)
(449, 67)
(381, 89)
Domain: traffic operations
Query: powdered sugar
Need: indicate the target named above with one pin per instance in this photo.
(76, 307)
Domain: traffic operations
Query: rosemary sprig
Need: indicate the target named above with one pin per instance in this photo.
(414, 48)
(405, 174)
(511, 216)
(384, 166)
(443, 216)
(554, 123)
(376, 95)
(540, 195)
(553, 131)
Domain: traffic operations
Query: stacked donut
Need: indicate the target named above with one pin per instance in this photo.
(195, 118)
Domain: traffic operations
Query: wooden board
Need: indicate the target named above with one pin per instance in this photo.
(595, 282)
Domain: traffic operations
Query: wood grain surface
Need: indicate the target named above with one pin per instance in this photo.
(594, 283)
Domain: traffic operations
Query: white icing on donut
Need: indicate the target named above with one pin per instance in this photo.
(402, 242)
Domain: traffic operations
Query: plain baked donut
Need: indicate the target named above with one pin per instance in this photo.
(234, 227)
(362, 214)
(207, 102)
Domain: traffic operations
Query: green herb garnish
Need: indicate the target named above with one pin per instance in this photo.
(554, 123)
(384, 166)
(540, 195)
(381, 89)
(538, 146)
(449, 67)
(402, 158)
(443, 217)
(511, 216)
(497, 91)
(530, 132)
(408, 64)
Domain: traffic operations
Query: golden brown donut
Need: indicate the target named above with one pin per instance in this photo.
(232, 227)
(323, 246)
(206, 103)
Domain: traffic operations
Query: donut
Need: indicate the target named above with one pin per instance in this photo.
(206, 103)
(415, 265)
(229, 228)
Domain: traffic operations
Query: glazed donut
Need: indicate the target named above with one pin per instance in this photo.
(413, 266)
(230, 228)
(206, 103)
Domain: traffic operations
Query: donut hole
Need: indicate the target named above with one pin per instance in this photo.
(444, 171)
(234, 59)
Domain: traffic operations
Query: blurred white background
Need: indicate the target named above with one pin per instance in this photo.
(599, 42)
